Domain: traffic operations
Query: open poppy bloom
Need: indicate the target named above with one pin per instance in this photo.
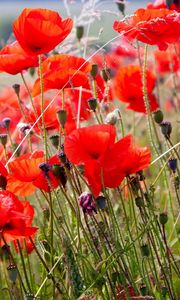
(29, 171)
(105, 161)
(63, 71)
(128, 88)
(152, 26)
(167, 61)
(40, 30)
(16, 218)
(13, 59)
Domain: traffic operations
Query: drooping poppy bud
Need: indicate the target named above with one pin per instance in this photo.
(166, 129)
(87, 203)
(172, 164)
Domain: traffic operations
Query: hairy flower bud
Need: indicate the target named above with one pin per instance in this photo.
(166, 129)
(172, 162)
(87, 203)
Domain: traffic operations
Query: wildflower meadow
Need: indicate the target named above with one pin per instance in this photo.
(89, 154)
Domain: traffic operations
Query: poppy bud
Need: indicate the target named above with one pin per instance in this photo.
(163, 218)
(92, 102)
(59, 173)
(45, 167)
(16, 88)
(145, 250)
(172, 164)
(101, 202)
(111, 118)
(3, 182)
(62, 117)
(55, 140)
(106, 74)
(87, 203)
(12, 272)
(6, 122)
(94, 70)
(79, 32)
(3, 139)
(158, 116)
(139, 201)
(62, 156)
(169, 3)
(121, 6)
(29, 297)
(166, 129)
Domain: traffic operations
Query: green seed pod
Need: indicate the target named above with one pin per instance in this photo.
(92, 103)
(94, 70)
(79, 32)
(12, 272)
(143, 289)
(62, 117)
(139, 201)
(55, 140)
(158, 116)
(121, 6)
(145, 250)
(3, 139)
(16, 88)
(163, 218)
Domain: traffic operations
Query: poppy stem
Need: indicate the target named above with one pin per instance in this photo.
(42, 108)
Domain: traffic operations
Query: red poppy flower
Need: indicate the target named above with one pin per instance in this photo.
(161, 4)
(63, 71)
(13, 59)
(16, 217)
(39, 30)
(128, 88)
(122, 294)
(152, 26)
(25, 241)
(106, 163)
(166, 61)
(26, 174)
